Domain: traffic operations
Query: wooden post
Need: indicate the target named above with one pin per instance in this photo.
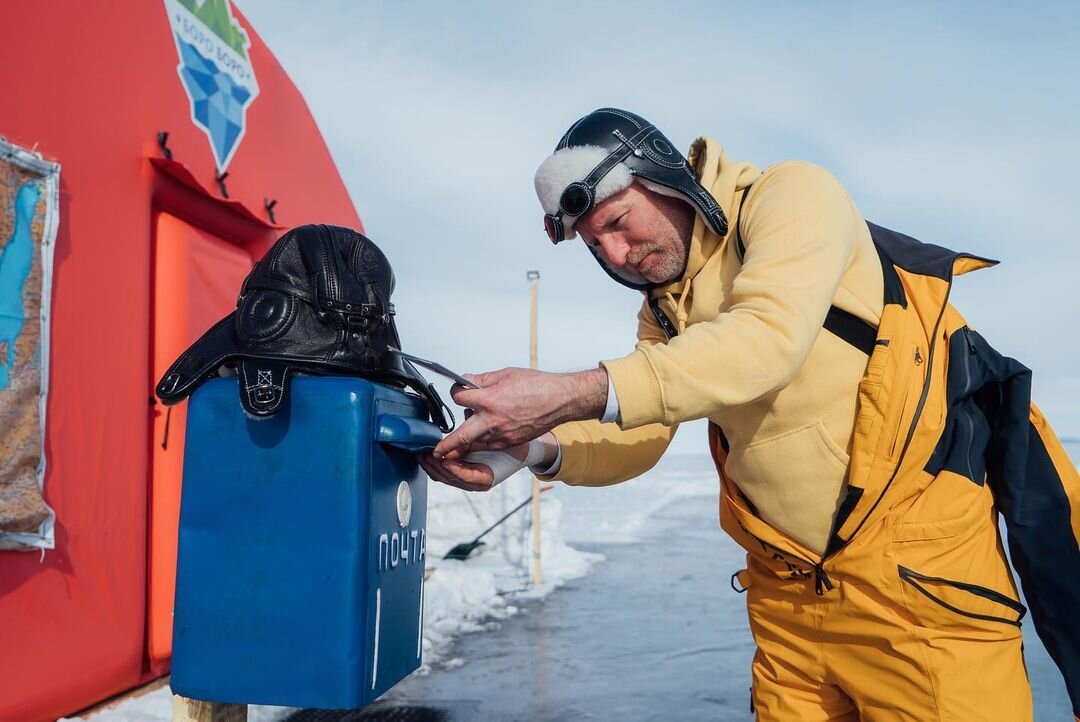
(534, 287)
(196, 710)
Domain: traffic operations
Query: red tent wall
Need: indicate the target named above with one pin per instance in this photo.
(90, 85)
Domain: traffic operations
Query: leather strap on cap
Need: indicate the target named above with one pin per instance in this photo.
(661, 318)
(200, 361)
(264, 385)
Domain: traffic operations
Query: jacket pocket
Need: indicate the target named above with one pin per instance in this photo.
(942, 603)
(786, 476)
(790, 455)
(949, 506)
(870, 387)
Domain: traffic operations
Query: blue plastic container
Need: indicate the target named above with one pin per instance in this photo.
(300, 578)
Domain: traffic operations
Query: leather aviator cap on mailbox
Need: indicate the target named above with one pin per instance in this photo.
(317, 303)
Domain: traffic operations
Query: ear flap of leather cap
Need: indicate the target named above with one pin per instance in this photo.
(199, 362)
(264, 386)
(264, 315)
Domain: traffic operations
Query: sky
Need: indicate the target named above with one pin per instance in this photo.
(955, 123)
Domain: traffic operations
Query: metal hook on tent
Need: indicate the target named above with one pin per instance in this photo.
(163, 144)
(220, 178)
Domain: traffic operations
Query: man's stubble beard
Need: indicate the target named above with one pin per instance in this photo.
(678, 231)
(667, 265)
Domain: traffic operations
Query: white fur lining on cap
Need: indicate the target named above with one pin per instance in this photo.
(568, 165)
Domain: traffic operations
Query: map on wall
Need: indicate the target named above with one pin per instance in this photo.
(215, 70)
(29, 189)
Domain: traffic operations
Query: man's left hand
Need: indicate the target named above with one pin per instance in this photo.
(515, 405)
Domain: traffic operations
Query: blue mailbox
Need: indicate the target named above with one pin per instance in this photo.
(300, 577)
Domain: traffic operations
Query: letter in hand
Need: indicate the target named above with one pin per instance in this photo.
(476, 475)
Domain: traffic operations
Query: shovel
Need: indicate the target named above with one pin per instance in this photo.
(464, 549)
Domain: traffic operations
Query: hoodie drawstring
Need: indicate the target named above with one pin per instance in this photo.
(680, 306)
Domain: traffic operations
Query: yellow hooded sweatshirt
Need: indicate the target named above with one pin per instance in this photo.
(751, 355)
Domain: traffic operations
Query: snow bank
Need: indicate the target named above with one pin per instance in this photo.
(470, 595)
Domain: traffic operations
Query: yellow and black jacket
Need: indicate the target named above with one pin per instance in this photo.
(945, 434)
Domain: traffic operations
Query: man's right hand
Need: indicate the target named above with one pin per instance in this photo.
(463, 475)
(514, 405)
(472, 474)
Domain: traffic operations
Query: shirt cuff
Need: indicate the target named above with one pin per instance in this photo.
(611, 411)
(555, 465)
(640, 400)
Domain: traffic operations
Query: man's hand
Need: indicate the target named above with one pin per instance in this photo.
(516, 405)
(463, 474)
(475, 473)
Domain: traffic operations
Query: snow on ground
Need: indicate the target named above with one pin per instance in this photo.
(472, 595)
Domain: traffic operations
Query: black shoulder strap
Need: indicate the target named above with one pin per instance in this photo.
(847, 326)
(851, 328)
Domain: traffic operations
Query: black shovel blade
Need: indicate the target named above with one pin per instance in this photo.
(463, 550)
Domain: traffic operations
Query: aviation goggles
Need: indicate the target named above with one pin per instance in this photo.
(579, 197)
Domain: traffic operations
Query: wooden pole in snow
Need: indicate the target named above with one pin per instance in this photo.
(195, 710)
(534, 287)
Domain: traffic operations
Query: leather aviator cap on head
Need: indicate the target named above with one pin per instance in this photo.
(602, 154)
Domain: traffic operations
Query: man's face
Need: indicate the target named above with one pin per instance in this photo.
(642, 236)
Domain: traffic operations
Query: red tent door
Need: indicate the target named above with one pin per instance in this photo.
(197, 276)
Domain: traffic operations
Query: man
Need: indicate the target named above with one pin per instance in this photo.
(865, 437)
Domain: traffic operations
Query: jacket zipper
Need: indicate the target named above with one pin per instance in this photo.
(967, 337)
(907, 398)
(822, 582)
(913, 578)
(969, 425)
(967, 361)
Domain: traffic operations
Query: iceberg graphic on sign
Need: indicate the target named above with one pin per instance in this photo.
(215, 70)
(217, 103)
